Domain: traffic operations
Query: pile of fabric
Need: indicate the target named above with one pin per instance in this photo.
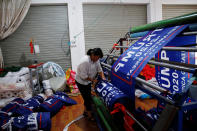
(23, 107)
(15, 84)
(34, 113)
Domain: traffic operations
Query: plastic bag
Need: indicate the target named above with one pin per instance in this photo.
(70, 80)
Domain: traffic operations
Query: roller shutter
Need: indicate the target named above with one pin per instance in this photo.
(105, 24)
(48, 26)
(170, 11)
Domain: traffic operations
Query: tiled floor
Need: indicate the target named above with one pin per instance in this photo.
(69, 113)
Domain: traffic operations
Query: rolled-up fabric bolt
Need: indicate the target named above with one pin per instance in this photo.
(52, 105)
(139, 34)
(193, 27)
(30, 105)
(33, 121)
(64, 98)
(22, 110)
(12, 107)
(111, 94)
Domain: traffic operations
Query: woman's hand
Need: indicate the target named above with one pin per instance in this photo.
(102, 75)
(92, 80)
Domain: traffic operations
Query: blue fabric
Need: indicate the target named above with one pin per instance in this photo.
(132, 61)
(29, 106)
(34, 102)
(22, 110)
(13, 106)
(183, 40)
(139, 34)
(33, 121)
(3, 121)
(174, 80)
(64, 98)
(52, 105)
(18, 100)
(193, 27)
(110, 94)
(10, 108)
(44, 121)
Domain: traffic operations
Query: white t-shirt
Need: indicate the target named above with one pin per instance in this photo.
(87, 68)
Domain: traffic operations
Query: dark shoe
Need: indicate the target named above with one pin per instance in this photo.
(85, 114)
(92, 119)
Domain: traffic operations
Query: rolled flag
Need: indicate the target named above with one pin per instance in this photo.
(20, 107)
(34, 102)
(111, 94)
(64, 98)
(30, 106)
(54, 103)
(12, 107)
(33, 121)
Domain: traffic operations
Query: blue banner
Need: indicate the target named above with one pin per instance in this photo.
(132, 61)
(183, 40)
(174, 80)
(110, 94)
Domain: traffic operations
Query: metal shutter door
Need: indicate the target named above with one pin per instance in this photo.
(170, 11)
(48, 26)
(105, 24)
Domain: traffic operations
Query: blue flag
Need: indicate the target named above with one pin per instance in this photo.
(174, 80)
(111, 94)
(132, 61)
(31, 122)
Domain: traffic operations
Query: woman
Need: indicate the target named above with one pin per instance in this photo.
(87, 70)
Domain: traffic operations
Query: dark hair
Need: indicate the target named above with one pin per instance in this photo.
(96, 52)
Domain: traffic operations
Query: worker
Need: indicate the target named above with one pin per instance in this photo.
(87, 70)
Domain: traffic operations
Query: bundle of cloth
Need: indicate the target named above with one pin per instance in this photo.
(34, 113)
(15, 84)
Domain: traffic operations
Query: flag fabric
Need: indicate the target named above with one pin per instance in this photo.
(110, 94)
(54, 103)
(171, 79)
(31, 122)
(132, 61)
(13, 106)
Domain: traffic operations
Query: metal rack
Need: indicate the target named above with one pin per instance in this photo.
(34, 74)
(173, 107)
